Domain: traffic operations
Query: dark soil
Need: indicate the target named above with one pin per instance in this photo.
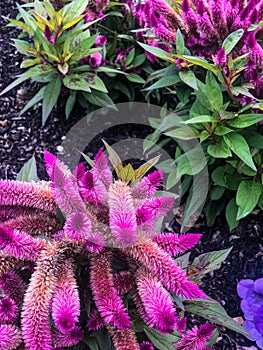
(23, 136)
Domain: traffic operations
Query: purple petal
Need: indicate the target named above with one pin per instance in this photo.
(249, 310)
(254, 298)
(258, 285)
(243, 286)
(258, 319)
(250, 327)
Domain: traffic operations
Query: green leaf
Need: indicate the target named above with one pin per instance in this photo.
(214, 93)
(218, 176)
(201, 94)
(24, 47)
(198, 109)
(247, 197)
(239, 146)
(163, 82)
(180, 46)
(245, 120)
(201, 119)
(113, 158)
(142, 170)
(38, 70)
(231, 214)
(232, 39)
(254, 139)
(18, 81)
(157, 52)
(199, 62)
(135, 78)
(214, 312)
(138, 60)
(70, 103)
(162, 341)
(37, 98)
(191, 162)
(82, 49)
(211, 261)
(130, 57)
(184, 133)
(188, 78)
(99, 99)
(216, 192)
(50, 98)
(221, 130)
(74, 9)
(94, 82)
(87, 159)
(76, 82)
(28, 171)
(92, 343)
(219, 150)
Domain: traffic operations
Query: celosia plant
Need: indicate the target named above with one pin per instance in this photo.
(95, 260)
(252, 306)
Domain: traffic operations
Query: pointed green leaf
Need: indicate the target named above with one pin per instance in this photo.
(214, 93)
(245, 120)
(232, 39)
(113, 158)
(198, 61)
(156, 51)
(70, 103)
(162, 341)
(135, 78)
(76, 82)
(142, 170)
(18, 81)
(29, 171)
(211, 261)
(188, 78)
(50, 98)
(94, 82)
(163, 82)
(231, 214)
(239, 146)
(37, 98)
(180, 46)
(184, 133)
(247, 197)
(214, 312)
(219, 150)
(201, 119)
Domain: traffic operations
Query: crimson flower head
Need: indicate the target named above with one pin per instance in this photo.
(49, 35)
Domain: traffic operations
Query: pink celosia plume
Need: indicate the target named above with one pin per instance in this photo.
(10, 337)
(101, 169)
(122, 214)
(65, 302)
(165, 268)
(67, 339)
(123, 339)
(95, 321)
(196, 338)
(157, 303)
(13, 286)
(78, 226)
(8, 310)
(148, 185)
(104, 293)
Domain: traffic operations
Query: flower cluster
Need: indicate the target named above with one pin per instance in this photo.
(252, 306)
(104, 220)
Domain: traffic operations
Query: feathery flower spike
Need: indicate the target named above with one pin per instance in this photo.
(13, 286)
(95, 321)
(146, 345)
(123, 339)
(10, 337)
(122, 214)
(104, 293)
(78, 226)
(8, 310)
(65, 302)
(67, 339)
(165, 268)
(196, 338)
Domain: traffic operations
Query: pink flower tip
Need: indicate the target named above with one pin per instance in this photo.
(101, 40)
(78, 226)
(8, 310)
(146, 345)
(95, 59)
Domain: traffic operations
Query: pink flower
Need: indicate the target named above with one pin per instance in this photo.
(78, 226)
(20, 245)
(95, 321)
(95, 242)
(66, 302)
(67, 339)
(101, 40)
(123, 281)
(10, 337)
(95, 59)
(146, 345)
(165, 269)
(49, 35)
(104, 293)
(8, 310)
(158, 305)
(148, 185)
(175, 244)
(122, 214)
(123, 339)
(13, 286)
(101, 170)
(25, 194)
(196, 338)
(220, 57)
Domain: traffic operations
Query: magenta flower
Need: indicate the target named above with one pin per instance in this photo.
(95, 242)
(122, 214)
(175, 244)
(78, 226)
(104, 293)
(158, 306)
(146, 345)
(13, 286)
(49, 35)
(67, 339)
(10, 337)
(66, 302)
(101, 40)
(123, 282)
(95, 59)
(220, 57)
(165, 268)
(20, 245)
(95, 321)
(8, 310)
(196, 338)
(123, 339)
(148, 185)
(101, 171)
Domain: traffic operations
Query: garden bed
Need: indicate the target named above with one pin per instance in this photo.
(23, 136)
